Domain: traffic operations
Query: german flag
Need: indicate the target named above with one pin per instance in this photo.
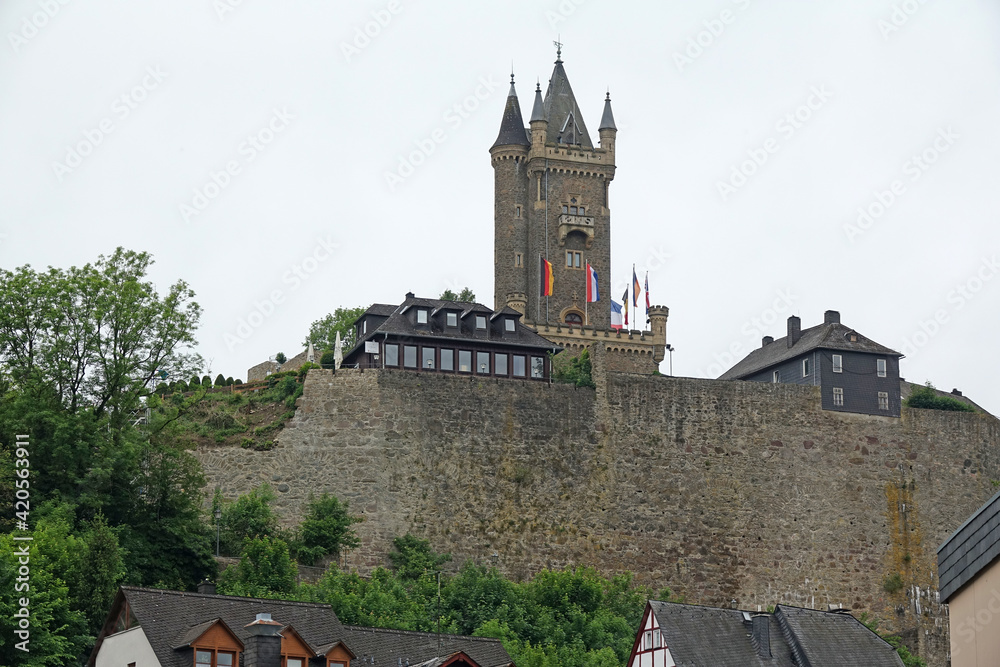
(546, 277)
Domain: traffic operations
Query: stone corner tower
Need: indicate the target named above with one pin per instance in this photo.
(551, 201)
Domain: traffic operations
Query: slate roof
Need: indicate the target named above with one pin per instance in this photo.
(831, 336)
(512, 125)
(399, 324)
(798, 637)
(392, 647)
(559, 103)
(607, 118)
(969, 549)
(170, 618)
(173, 619)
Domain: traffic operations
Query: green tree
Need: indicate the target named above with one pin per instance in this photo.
(465, 295)
(280, 358)
(99, 572)
(573, 370)
(206, 381)
(927, 398)
(265, 569)
(249, 517)
(326, 529)
(380, 601)
(412, 558)
(220, 381)
(323, 332)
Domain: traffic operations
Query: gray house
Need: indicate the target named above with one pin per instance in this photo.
(855, 373)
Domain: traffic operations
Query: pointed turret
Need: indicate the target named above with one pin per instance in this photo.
(538, 108)
(512, 126)
(608, 119)
(539, 125)
(566, 124)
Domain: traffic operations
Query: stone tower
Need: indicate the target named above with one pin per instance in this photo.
(551, 188)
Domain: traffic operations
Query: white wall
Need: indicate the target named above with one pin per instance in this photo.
(120, 649)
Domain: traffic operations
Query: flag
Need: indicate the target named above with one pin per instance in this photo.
(546, 278)
(635, 289)
(616, 315)
(625, 302)
(592, 293)
(647, 296)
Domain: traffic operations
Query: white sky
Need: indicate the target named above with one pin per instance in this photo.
(338, 120)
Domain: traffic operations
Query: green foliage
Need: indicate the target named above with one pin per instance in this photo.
(465, 295)
(573, 370)
(206, 381)
(231, 381)
(195, 382)
(413, 558)
(99, 572)
(909, 660)
(280, 358)
(328, 359)
(323, 332)
(265, 570)
(181, 386)
(380, 601)
(893, 583)
(326, 529)
(249, 517)
(161, 388)
(928, 399)
(220, 380)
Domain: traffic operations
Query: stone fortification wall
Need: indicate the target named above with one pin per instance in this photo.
(718, 490)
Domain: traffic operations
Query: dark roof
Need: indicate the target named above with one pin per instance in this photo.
(608, 118)
(538, 107)
(970, 549)
(170, 618)
(561, 110)
(906, 388)
(399, 324)
(512, 126)
(391, 647)
(798, 637)
(830, 336)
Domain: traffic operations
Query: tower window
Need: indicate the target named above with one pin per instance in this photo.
(572, 210)
(574, 318)
(518, 259)
(565, 208)
(574, 259)
(583, 211)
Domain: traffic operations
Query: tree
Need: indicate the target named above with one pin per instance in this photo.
(465, 295)
(926, 397)
(249, 517)
(412, 557)
(573, 370)
(220, 381)
(280, 358)
(265, 569)
(323, 332)
(100, 571)
(328, 359)
(326, 529)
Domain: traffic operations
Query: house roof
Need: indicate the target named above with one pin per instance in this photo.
(969, 549)
(399, 324)
(829, 336)
(394, 647)
(174, 619)
(798, 638)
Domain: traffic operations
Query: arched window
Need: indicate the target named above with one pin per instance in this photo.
(574, 318)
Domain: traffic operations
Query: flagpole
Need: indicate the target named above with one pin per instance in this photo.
(538, 302)
(586, 296)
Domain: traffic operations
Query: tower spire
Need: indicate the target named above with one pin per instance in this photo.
(512, 125)
(608, 119)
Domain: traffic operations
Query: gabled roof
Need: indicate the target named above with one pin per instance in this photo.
(399, 324)
(562, 112)
(169, 617)
(829, 336)
(512, 125)
(797, 637)
(970, 549)
(390, 648)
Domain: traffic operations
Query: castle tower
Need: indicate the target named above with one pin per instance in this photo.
(551, 189)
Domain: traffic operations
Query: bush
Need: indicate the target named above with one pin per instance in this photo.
(280, 358)
(206, 381)
(220, 381)
(195, 382)
(927, 398)
(181, 386)
(326, 529)
(573, 370)
(305, 368)
(161, 388)
(249, 517)
(230, 381)
(328, 359)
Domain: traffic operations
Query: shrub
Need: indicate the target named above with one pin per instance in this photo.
(574, 370)
(893, 583)
(195, 381)
(181, 386)
(328, 359)
(280, 358)
(237, 381)
(206, 381)
(161, 388)
(928, 399)
(326, 529)
(220, 380)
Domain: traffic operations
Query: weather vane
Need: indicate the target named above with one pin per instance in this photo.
(558, 50)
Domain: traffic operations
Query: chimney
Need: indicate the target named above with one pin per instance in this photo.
(956, 392)
(207, 587)
(263, 646)
(794, 330)
(760, 634)
(766, 340)
(409, 295)
(831, 317)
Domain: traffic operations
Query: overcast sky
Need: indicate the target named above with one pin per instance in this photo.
(288, 158)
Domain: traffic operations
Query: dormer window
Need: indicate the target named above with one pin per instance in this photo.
(213, 658)
(421, 316)
(480, 321)
(509, 325)
(451, 319)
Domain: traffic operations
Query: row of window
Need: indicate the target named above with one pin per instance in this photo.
(451, 320)
(838, 367)
(486, 363)
(574, 210)
(651, 639)
(838, 398)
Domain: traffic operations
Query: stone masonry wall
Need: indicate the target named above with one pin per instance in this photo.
(717, 490)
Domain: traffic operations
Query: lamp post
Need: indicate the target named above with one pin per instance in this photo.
(218, 524)
(670, 349)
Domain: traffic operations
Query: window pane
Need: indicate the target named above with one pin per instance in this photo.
(428, 360)
(483, 363)
(569, 259)
(805, 367)
(392, 355)
(447, 359)
(583, 211)
(410, 356)
(225, 660)
(203, 658)
(565, 208)
(465, 361)
(421, 317)
(881, 368)
(500, 364)
(537, 367)
(518, 366)
(509, 324)
(452, 319)
(293, 662)
(838, 363)
(576, 256)
(480, 321)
